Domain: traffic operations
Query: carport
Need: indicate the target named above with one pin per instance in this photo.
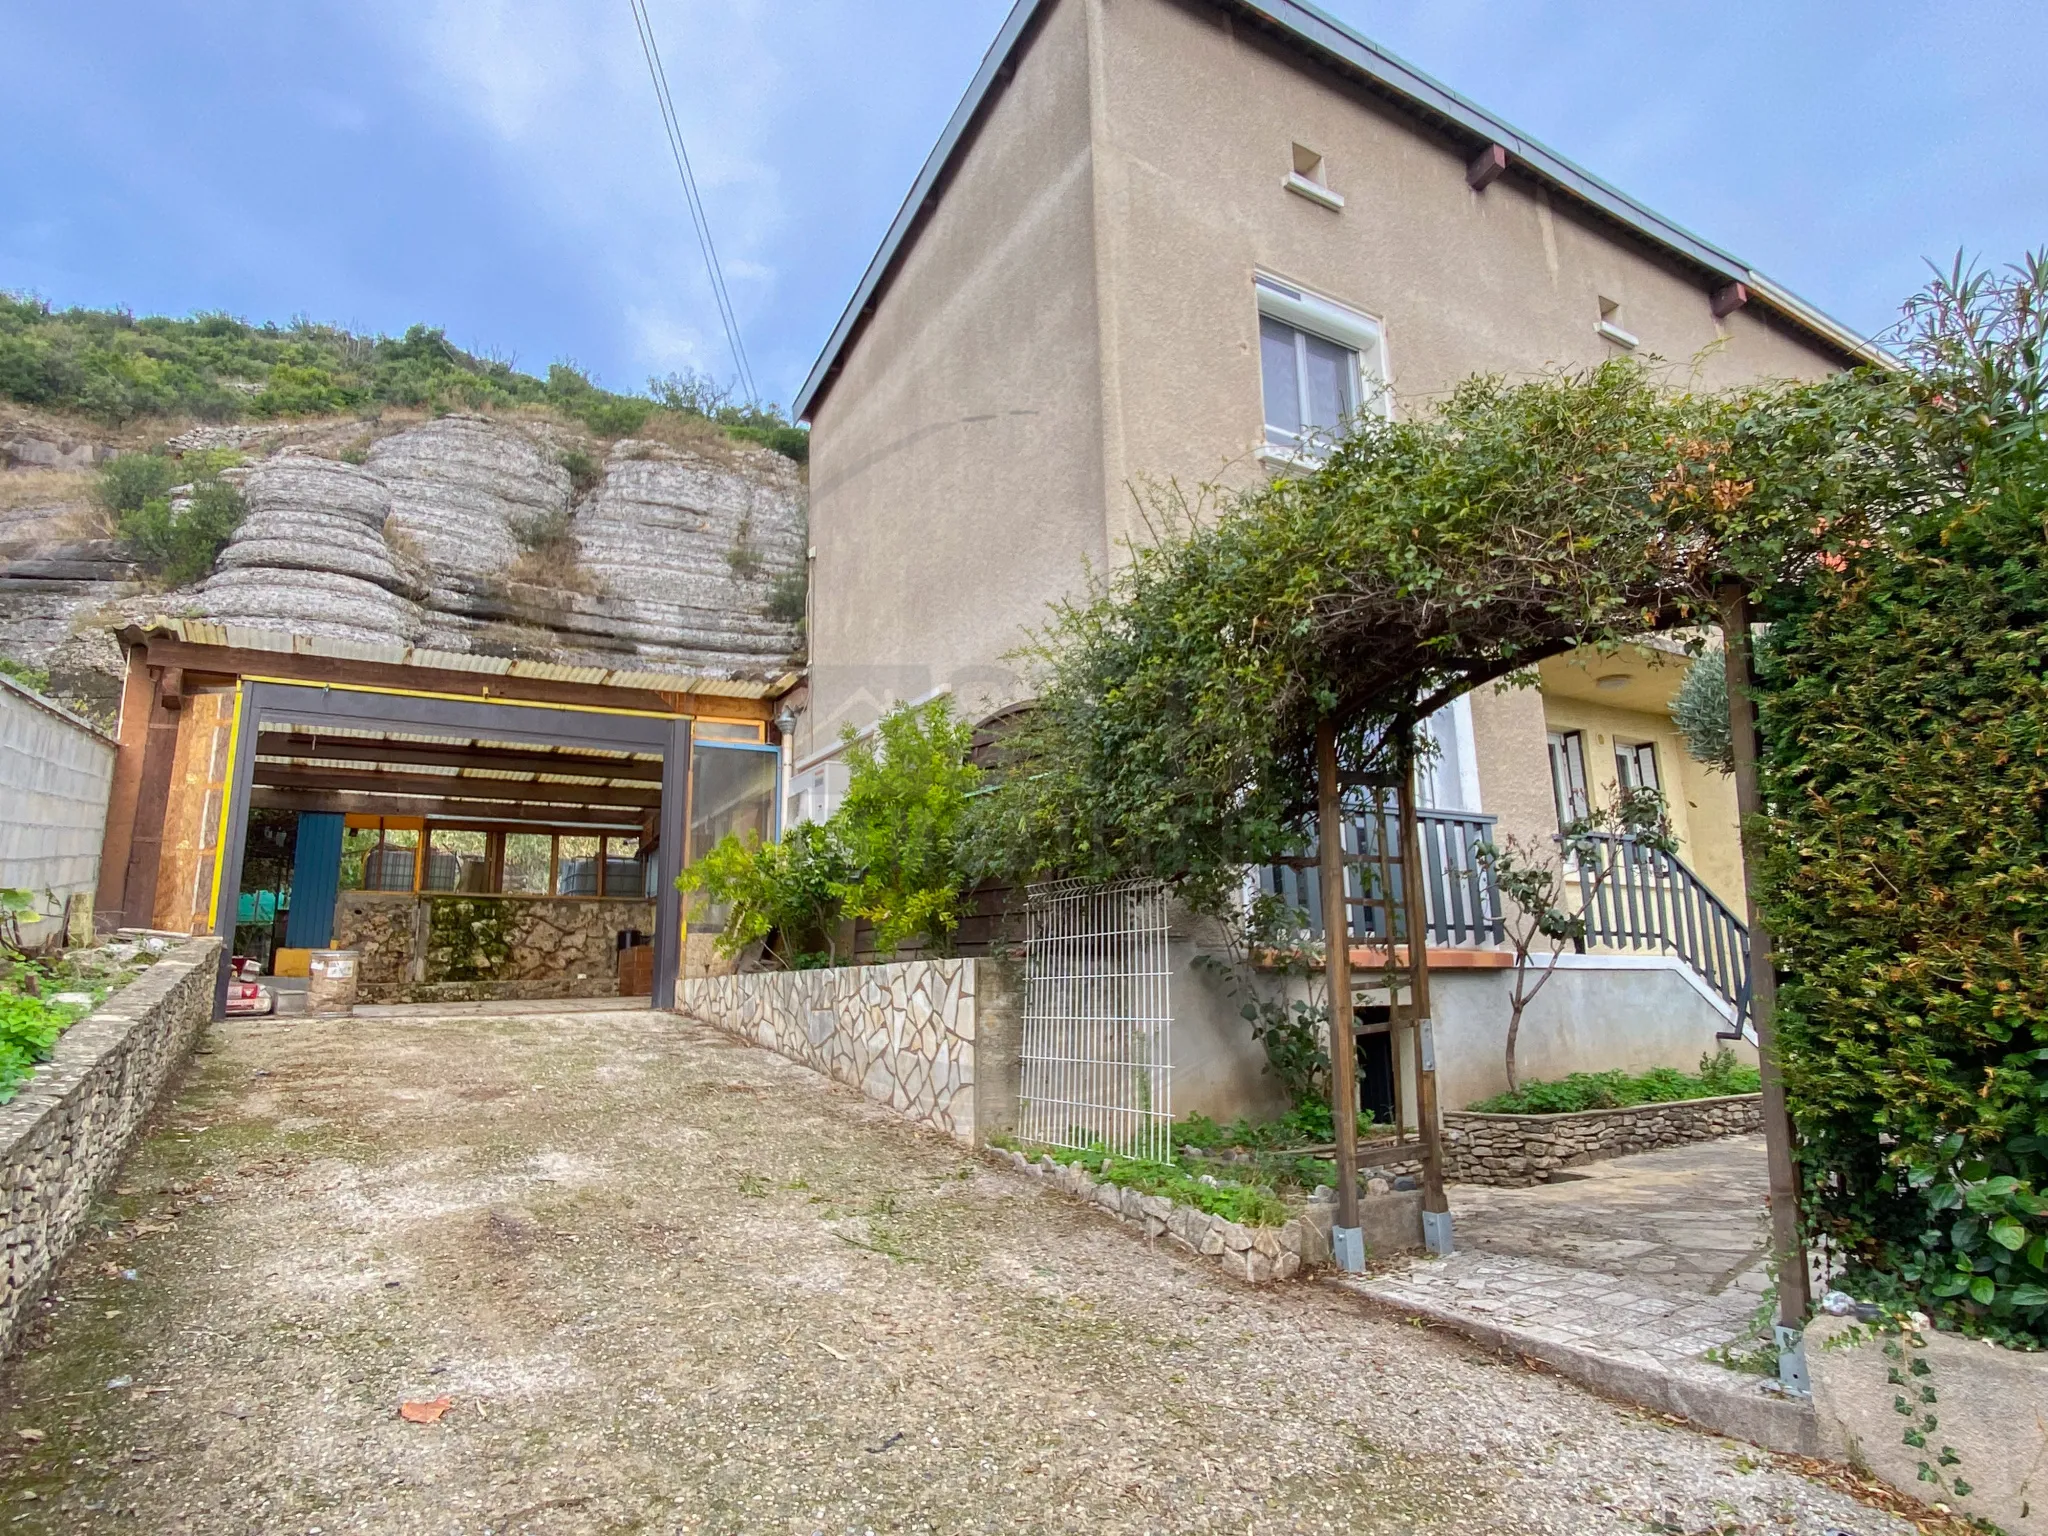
(510, 787)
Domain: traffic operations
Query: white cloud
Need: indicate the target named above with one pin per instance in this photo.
(558, 94)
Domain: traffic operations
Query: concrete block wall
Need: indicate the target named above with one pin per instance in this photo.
(56, 772)
(62, 1138)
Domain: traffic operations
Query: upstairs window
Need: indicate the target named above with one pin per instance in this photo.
(1320, 364)
(1568, 777)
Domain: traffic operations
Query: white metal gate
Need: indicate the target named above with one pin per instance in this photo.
(1097, 1058)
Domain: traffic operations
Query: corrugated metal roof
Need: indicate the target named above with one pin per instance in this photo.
(280, 642)
(1333, 43)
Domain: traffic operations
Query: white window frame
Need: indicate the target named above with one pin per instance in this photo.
(1629, 757)
(1359, 333)
(1567, 747)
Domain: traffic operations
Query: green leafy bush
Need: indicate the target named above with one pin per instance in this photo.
(1248, 1204)
(788, 895)
(177, 545)
(1905, 721)
(1719, 1076)
(907, 794)
(1700, 711)
(26, 675)
(890, 854)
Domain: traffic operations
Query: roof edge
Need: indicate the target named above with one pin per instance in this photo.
(1322, 34)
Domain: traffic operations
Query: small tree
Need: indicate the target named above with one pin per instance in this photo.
(1533, 879)
(906, 802)
(789, 896)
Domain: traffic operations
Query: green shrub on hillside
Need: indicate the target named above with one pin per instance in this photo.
(115, 368)
(177, 545)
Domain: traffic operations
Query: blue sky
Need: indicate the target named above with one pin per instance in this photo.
(496, 167)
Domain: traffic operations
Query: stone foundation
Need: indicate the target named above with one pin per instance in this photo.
(555, 947)
(63, 1137)
(935, 1040)
(1527, 1149)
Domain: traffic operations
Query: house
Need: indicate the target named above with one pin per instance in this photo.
(1175, 241)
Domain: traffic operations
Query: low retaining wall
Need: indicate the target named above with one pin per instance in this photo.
(1391, 1223)
(1986, 1407)
(935, 1040)
(1527, 1149)
(63, 1137)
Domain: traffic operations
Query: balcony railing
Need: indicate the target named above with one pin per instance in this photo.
(1651, 900)
(1459, 898)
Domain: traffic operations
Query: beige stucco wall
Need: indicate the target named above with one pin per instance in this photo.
(956, 465)
(1079, 320)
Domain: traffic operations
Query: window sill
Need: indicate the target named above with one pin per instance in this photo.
(1314, 191)
(1614, 333)
(1288, 458)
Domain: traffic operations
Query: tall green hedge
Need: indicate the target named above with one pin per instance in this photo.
(1905, 715)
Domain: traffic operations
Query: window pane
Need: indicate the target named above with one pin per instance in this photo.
(732, 792)
(1282, 382)
(723, 730)
(1332, 384)
(575, 866)
(624, 875)
(456, 861)
(526, 863)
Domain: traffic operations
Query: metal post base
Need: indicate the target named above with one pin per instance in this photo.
(1347, 1247)
(1792, 1361)
(1436, 1233)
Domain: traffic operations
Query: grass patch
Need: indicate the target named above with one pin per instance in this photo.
(30, 1021)
(1251, 1205)
(1719, 1076)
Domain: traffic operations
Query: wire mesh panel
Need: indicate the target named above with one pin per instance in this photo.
(1097, 1062)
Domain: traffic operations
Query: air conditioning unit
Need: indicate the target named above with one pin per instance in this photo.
(815, 793)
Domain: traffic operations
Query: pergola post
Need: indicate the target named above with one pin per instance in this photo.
(1347, 1241)
(1794, 1293)
(1436, 1205)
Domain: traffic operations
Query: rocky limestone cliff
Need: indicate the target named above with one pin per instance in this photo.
(461, 533)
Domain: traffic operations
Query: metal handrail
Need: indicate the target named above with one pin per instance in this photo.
(1652, 900)
(1460, 898)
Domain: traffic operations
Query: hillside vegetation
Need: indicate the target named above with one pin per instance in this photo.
(113, 368)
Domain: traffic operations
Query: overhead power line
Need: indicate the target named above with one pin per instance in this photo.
(674, 129)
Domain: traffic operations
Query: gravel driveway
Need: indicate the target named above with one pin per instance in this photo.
(669, 1283)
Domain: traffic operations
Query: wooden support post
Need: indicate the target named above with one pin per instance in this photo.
(1794, 1293)
(1436, 1205)
(1347, 1243)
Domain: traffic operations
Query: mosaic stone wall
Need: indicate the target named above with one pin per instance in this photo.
(63, 1136)
(909, 1035)
(556, 946)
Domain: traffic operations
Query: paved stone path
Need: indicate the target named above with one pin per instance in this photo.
(668, 1283)
(1624, 1276)
(1689, 1218)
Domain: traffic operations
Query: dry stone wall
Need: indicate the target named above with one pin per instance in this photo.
(934, 1040)
(1526, 1149)
(63, 1136)
(555, 947)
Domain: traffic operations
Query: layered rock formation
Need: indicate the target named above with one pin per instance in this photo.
(462, 533)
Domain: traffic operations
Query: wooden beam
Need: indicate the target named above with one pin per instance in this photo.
(1730, 299)
(514, 817)
(440, 786)
(357, 749)
(137, 688)
(1487, 167)
(234, 662)
(152, 805)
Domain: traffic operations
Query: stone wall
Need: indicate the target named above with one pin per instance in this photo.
(63, 1137)
(935, 1040)
(556, 947)
(1527, 1149)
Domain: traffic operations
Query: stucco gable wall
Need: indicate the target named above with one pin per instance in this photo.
(956, 466)
(1200, 116)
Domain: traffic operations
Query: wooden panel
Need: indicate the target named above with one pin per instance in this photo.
(191, 821)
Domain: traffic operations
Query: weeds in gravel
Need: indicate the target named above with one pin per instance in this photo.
(1252, 1205)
